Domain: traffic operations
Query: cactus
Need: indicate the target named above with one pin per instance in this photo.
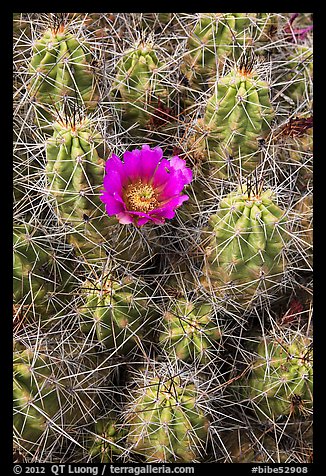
(75, 175)
(220, 38)
(237, 116)
(265, 27)
(164, 422)
(117, 311)
(189, 331)
(215, 37)
(60, 67)
(244, 252)
(296, 82)
(33, 284)
(74, 168)
(44, 400)
(105, 441)
(139, 88)
(281, 380)
(75, 171)
(304, 227)
(163, 191)
(256, 448)
(156, 21)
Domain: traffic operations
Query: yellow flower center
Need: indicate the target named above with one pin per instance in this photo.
(140, 197)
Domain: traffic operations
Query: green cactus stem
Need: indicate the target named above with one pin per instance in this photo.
(189, 332)
(139, 90)
(117, 312)
(237, 117)
(245, 247)
(281, 380)
(164, 422)
(61, 68)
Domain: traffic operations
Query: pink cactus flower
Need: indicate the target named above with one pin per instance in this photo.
(144, 186)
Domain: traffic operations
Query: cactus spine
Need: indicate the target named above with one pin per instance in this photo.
(155, 341)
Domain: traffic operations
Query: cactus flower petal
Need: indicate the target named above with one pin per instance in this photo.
(144, 186)
(180, 164)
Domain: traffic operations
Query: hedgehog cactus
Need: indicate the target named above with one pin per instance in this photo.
(304, 227)
(74, 168)
(244, 253)
(61, 67)
(164, 422)
(139, 88)
(33, 385)
(117, 311)
(215, 37)
(219, 38)
(265, 26)
(189, 332)
(33, 285)
(281, 380)
(106, 440)
(163, 244)
(237, 116)
(75, 173)
(296, 83)
(44, 402)
(257, 448)
(156, 21)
